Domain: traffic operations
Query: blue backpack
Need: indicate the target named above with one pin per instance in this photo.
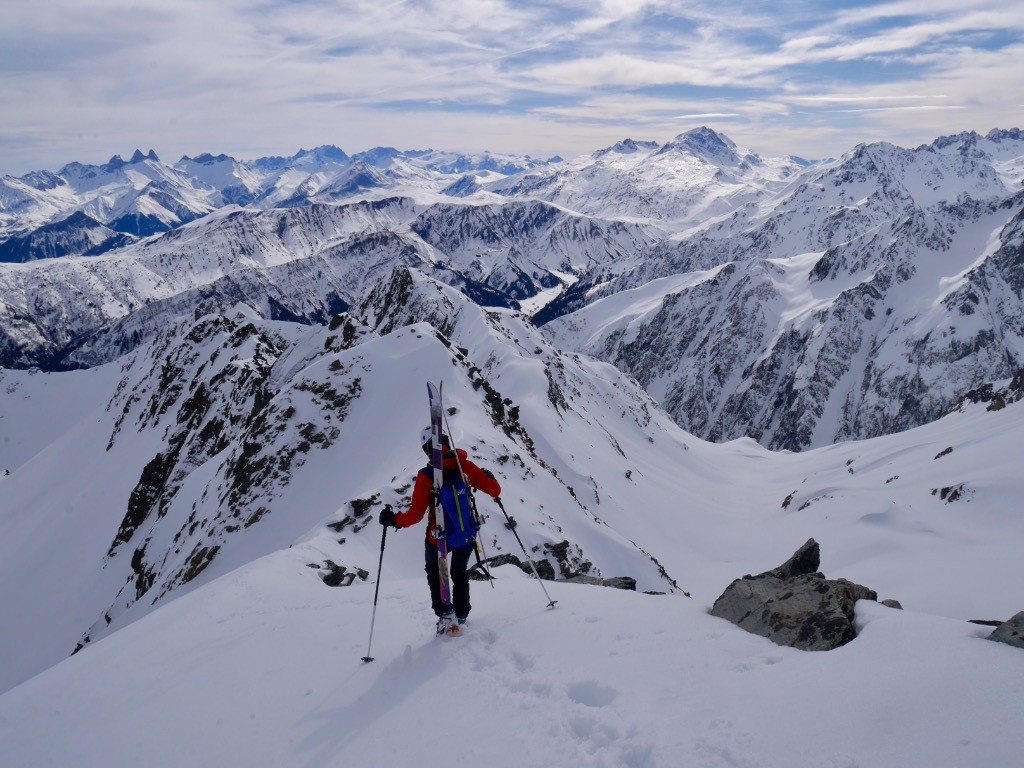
(460, 524)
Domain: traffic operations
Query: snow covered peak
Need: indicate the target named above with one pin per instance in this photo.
(138, 157)
(324, 153)
(207, 158)
(116, 162)
(628, 147)
(997, 135)
(380, 157)
(708, 145)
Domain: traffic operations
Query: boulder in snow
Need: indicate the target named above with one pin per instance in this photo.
(1010, 632)
(794, 604)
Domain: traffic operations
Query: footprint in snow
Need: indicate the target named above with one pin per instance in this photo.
(591, 694)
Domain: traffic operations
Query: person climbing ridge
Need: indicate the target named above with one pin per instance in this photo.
(460, 526)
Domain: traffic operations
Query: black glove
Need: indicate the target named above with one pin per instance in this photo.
(387, 516)
(489, 473)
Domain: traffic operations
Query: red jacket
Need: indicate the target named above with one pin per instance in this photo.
(421, 492)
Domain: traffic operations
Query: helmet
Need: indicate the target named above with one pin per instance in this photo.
(426, 440)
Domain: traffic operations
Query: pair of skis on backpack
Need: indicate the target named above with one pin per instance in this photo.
(447, 625)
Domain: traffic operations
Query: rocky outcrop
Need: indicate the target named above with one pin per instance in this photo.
(618, 582)
(795, 604)
(1010, 632)
(546, 571)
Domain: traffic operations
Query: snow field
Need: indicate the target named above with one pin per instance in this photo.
(262, 667)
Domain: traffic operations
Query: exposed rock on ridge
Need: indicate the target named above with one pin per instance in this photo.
(794, 604)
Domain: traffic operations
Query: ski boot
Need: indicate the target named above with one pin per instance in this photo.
(448, 624)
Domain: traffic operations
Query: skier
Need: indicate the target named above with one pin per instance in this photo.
(454, 463)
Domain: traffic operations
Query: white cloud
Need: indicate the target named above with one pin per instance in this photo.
(616, 69)
(707, 115)
(85, 79)
(902, 108)
(843, 98)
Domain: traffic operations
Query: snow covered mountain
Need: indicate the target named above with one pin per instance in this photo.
(181, 512)
(145, 196)
(78, 234)
(698, 176)
(305, 263)
(865, 300)
(796, 304)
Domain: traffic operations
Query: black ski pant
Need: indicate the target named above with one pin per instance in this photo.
(458, 563)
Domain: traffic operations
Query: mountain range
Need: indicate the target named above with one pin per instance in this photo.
(798, 303)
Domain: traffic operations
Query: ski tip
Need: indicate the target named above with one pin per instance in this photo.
(367, 658)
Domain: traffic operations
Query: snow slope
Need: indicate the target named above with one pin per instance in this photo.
(263, 668)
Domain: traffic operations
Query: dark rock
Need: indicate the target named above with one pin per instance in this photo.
(547, 571)
(893, 604)
(618, 582)
(1010, 632)
(804, 562)
(794, 605)
(340, 576)
(544, 569)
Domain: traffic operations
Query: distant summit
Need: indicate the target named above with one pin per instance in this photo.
(117, 162)
(709, 145)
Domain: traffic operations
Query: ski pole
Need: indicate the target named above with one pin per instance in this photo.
(376, 592)
(512, 527)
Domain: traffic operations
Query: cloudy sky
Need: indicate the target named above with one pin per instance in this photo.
(86, 79)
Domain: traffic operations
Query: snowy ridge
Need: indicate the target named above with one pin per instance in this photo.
(230, 436)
